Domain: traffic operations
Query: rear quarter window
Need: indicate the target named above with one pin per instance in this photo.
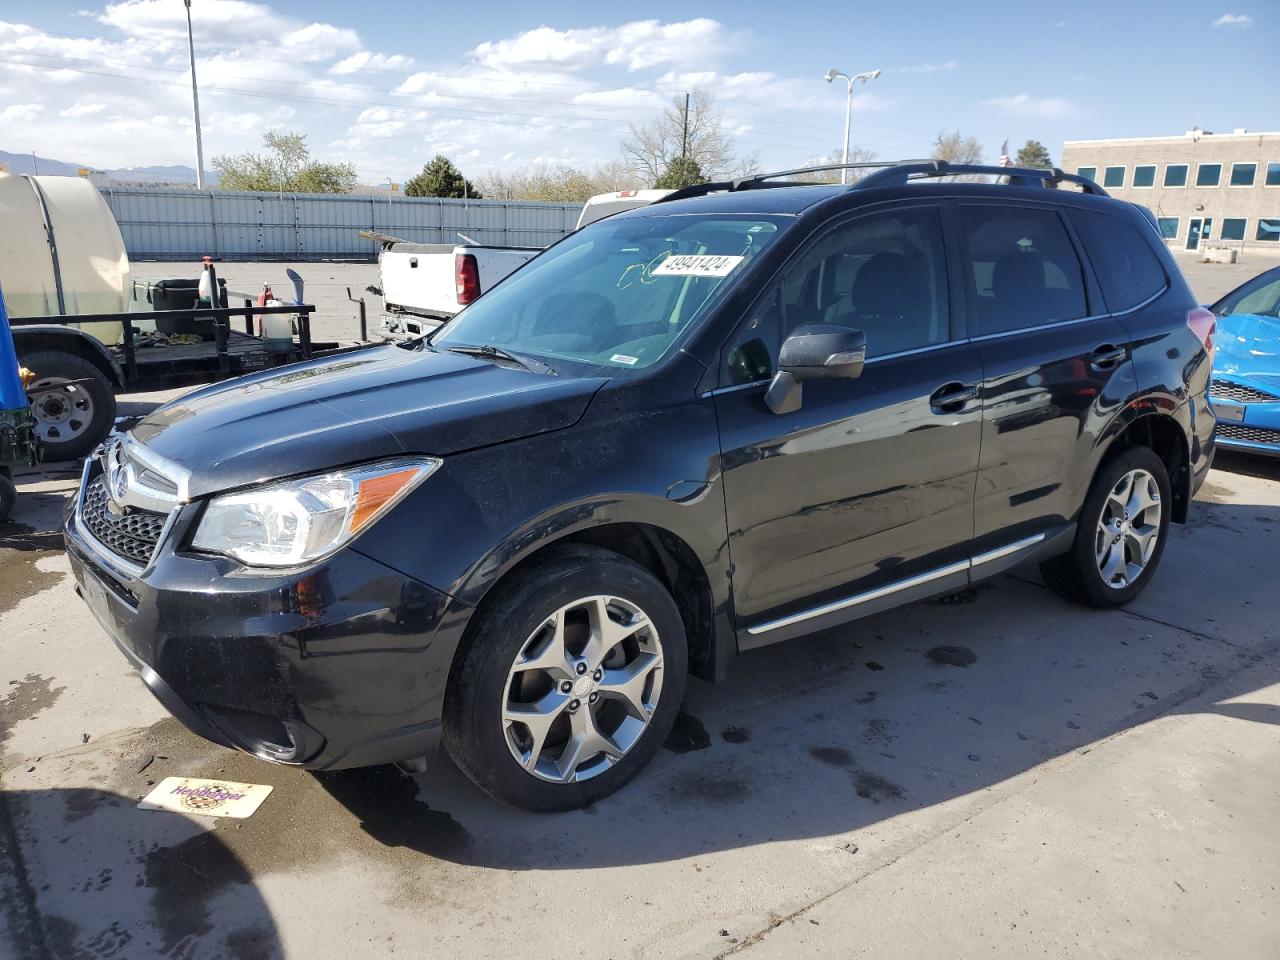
(1128, 269)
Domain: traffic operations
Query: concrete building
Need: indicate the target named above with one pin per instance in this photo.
(1204, 188)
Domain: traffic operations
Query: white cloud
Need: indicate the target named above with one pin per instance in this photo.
(365, 60)
(1239, 21)
(638, 45)
(20, 111)
(1027, 106)
(926, 67)
(78, 109)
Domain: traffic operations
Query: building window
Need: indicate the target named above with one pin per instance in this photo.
(1175, 175)
(1273, 175)
(1145, 175)
(1113, 177)
(1168, 227)
(1242, 174)
(1208, 175)
(1091, 173)
(1268, 230)
(1232, 228)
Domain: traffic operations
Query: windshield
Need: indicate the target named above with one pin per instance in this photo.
(617, 294)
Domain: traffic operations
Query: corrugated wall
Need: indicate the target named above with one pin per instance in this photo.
(185, 224)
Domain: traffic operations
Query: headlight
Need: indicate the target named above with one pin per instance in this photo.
(299, 521)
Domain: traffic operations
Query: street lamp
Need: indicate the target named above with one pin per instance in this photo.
(867, 77)
(195, 102)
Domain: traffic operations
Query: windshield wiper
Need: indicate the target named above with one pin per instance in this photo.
(489, 351)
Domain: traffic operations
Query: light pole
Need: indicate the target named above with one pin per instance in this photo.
(390, 187)
(195, 101)
(867, 77)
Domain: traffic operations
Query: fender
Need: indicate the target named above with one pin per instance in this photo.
(29, 338)
(1142, 413)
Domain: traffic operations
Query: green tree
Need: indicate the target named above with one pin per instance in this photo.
(1033, 154)
(681, 172)
(286, 166)
(440, 178)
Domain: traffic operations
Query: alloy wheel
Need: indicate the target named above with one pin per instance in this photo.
(1128, 529)
(583, 689)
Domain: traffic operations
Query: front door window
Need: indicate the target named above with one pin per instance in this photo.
(1193, 235)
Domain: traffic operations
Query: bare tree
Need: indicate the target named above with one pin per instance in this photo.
(954, 148)
(700, 136)
(856, 155)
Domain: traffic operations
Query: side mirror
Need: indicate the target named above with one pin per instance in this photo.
(814, 351)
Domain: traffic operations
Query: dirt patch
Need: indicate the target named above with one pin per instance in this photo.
(687, 735)
(873, 787)
(832, 756)
(953, 656)
(735, 734)
(961, 597)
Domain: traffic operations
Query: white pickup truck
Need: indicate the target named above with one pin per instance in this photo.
(424, 284)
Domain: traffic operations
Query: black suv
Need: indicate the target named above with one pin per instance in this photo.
(748, 412)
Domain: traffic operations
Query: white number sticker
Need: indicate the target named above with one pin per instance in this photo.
(701, 265)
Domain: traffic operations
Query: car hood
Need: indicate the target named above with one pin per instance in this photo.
(1248, 347)
(354, 407)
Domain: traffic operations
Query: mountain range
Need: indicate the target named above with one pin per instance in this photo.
(25, 163)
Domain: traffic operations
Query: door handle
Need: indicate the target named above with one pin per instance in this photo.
(951, 397)
(1107, 356)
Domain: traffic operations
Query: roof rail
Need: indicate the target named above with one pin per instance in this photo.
(892, 173)
(759, 180)
(898, 175)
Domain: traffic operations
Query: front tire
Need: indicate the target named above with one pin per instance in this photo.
(1120, 535)
(571, 678)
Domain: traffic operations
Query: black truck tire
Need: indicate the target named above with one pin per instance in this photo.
(72, 421)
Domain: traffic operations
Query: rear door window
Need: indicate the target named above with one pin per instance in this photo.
(1021, 267)
(1127, 268)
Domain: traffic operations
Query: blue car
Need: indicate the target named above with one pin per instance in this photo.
(1245, 390)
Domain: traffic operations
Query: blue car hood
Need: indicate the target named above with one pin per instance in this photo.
(1248, 350)
(353, 407)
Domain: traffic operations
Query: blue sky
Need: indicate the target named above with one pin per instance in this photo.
(507, 85)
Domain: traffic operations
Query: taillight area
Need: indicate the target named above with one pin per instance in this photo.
(1204, 325)
(467, 275)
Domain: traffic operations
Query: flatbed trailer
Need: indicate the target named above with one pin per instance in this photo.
(73, 396)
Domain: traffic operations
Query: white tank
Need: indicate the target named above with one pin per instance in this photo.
(91, 263)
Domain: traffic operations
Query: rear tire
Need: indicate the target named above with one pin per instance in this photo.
(72, 421)
(589, 648)
(1120, 535)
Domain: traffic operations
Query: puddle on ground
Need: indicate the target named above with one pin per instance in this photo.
(687, 735)
(735, 734)
(20, 578)
(953, 656)
(24, 699)
(834, 756)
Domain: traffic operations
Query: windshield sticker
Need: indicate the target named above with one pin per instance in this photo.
(702, 265)
(623, 358)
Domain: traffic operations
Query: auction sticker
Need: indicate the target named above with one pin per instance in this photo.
(700, 265)
(209, 798)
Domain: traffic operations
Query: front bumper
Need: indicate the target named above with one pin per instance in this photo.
(340, 665)
(1249, 427)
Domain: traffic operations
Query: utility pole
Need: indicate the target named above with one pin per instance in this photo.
(195, 101)
(684, 139)
(35, 165)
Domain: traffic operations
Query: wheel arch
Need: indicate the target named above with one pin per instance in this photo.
(1162, 433)
(666, 555)
(33, 339)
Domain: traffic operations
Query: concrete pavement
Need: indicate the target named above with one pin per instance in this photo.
(1088, 784)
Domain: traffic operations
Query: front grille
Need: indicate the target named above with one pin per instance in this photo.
(1226, 390)
(1238, 431)
(132, 535)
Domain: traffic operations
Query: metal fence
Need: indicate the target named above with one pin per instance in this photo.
(186, 224)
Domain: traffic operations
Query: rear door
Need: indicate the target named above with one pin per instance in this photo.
(1056, 369)
(866, 492)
